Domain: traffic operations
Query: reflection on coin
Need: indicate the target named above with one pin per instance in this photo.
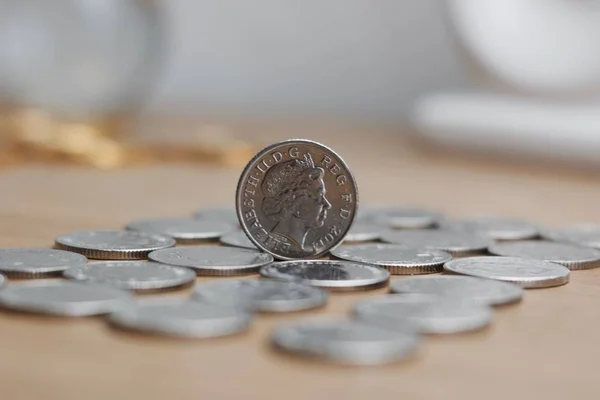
(183, 229)
(495, 228)
(572, 257)
(428, 313)
(523, 272)
(63, 298)
(481, 291)
(331, 274)
(399, 260)
(404, 217)
(33, 263)
(580, 234)
(455, 243)
(134, 275)
(213, 260)
(227, 215)
(182, 319)
(261, 295)
(237, 239)
(296, 199)
(363, 232)
(345, 341)
(113, 245)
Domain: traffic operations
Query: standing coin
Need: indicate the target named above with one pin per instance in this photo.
(261, 295)
(296, 199)
(495, 228)
(455, 243)
(364, 232)
(227, 215)
(237, 239)
(346, 342)
(34, 263)
(134, 275)
(113, 245)
(213, 260)
(580, 234)
(526, 273)
(482, 291)
(399, 260)
(331, 274)
(184, 230)
(572, 257)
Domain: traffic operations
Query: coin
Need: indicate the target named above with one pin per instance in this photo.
(399, 260)
(363, 232)
(296, 199)
(427, 313)
(237, 239)
(572, 257)
(63, 298)
(579, 234)
(331, 274)
(523, 272)
(182, 319)
(113, 245)
(183, 229)
(345, 342)
(455, 243)
(495, 228)
(482, 291)
(227, 215)
(33, 263)
(261, 295)
(134, 275)
(214, 260)
(404, 217)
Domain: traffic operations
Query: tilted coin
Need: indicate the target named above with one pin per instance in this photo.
(345, 341)
(364, 232)
(64, 298)
(455, 243)
(571, 256)
(261, 295)
(214, 260)
(526, 273)
(182, 319)
(404, 217)
(482, 291)
(227, 215)
(331, 274)
(399, 260)
(495, 228)
(33, 263)
(134, 275)
(113, 245)
(296, 199)
(587, 235)
(237, 239)
(428, 313)
(183, 229)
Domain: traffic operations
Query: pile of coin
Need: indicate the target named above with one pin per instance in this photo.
(297, 207)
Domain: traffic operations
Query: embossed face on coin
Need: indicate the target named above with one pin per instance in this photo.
(296, 199)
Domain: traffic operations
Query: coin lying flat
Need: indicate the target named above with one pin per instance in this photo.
(526, 273)
(495, 228)
(182, 319)
(455, 243)
(399, 260)
(587, 235)
(64, 298)
(481, 291)
(33, 263)
(404, 217)
(296, 199)
(346, 342)
(364, 232)
(237, 239)
(213, 260)
(134, 275)
(113, 245)
(261, 295)
(331, 274)
(572, 257)
(183, 229)
(427, 313)
(227, 215)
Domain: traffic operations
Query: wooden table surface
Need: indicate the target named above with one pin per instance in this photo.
(546, 347)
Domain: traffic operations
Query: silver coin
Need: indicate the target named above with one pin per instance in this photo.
(64, 298)
(399, 260)
(296, 199)
(587, 235)
(495, 228)
(526, 273)
(33, 263)
(134, 275)
(182, 319)
(405, 217)
(345, 342)
(427, 313)
(113, 245)
(572, 257)
(183, 229)
(261, 295)
(455, 243)
(482, 291)
(237, 239)
(227, 215)
(364, 232)
(331, 274)
(214, 260)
